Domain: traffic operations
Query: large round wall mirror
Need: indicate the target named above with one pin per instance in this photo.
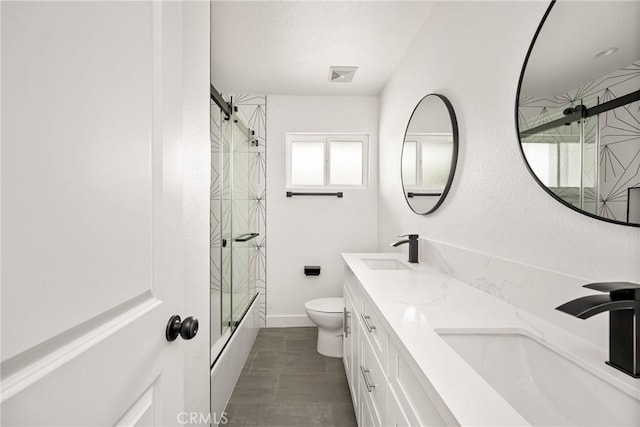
(429, 154)
(578, 107)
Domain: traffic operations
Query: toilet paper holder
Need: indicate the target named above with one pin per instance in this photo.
(311, 270)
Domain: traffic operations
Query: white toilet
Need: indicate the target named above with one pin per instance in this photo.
(327, 314)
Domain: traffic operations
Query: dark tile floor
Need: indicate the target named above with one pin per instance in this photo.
(286, 382)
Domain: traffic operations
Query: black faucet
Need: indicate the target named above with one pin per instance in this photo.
(623, 304)
(413, 246)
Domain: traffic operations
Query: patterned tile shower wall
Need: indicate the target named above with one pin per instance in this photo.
(252, 107)
(619, 136)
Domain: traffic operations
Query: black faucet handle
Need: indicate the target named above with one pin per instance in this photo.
(410, 236)
(618, 290)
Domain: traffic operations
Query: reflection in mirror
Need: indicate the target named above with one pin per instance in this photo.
(429, 153)
(579, 108)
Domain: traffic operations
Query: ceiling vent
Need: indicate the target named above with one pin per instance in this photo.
(341, 74)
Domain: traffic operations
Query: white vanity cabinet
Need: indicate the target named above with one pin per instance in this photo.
(383, 382)
(349, 346)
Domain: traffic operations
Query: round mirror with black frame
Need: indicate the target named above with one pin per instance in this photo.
(578, 107)
(429, 154)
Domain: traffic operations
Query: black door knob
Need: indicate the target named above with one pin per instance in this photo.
(187, 328)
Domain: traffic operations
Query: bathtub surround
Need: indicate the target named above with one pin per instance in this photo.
(228, 367)
(315, 230)
(523, 244)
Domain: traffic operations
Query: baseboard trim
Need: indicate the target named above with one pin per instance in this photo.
(289, 321)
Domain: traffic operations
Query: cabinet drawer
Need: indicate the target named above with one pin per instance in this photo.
(373, 381)
(375, 331)
(417, 405)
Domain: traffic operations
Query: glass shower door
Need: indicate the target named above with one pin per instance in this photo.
(565, 157)
(238, 274)
(236, 174)
(242, 226)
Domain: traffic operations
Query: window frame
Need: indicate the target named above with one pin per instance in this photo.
(326, 139)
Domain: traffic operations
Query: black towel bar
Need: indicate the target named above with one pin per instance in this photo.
(337, 194)
(411, 194)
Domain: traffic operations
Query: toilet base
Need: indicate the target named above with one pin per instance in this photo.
(330, 342)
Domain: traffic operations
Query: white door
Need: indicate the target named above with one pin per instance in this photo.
(91, 212)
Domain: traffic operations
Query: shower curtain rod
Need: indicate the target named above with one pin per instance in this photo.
(584, 113)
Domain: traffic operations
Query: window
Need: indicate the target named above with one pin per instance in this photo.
(327, 161)
(426, 161)
(557, 164)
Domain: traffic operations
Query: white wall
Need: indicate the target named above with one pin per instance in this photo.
(314, 230)
(472, 52)
(196, 155)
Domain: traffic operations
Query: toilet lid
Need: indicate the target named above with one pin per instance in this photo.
(326, 305)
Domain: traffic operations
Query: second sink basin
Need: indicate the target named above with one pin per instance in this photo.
(385, 264)
(545, 387)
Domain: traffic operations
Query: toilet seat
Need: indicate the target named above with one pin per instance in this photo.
(326, 305)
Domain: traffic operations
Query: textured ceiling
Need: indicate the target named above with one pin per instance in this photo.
(286, 47)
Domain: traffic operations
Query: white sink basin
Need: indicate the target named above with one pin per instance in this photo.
(385, 264)
(546, 388)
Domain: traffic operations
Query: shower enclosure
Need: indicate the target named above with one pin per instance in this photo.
(233, 223)
(564, 155)
(586, 152)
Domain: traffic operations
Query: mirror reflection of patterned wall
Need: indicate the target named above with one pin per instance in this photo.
(579, 109)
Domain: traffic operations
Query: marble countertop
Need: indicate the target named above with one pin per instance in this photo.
(419, 301)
